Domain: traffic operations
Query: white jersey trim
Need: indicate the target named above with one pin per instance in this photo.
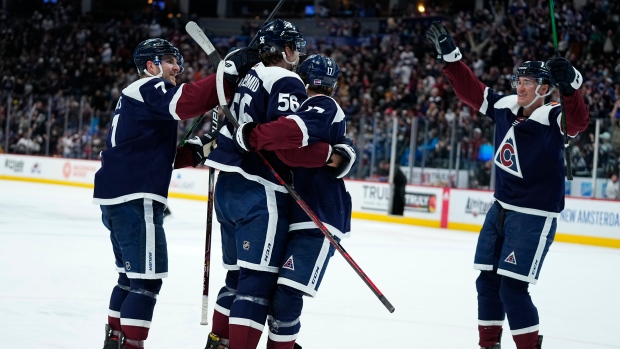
(172, 107)
(485, 102)
(133, 90)
(129, 197)
(509, 102)
(531, 211)
(271, 75)
(541, 115)
(235, 169)
(147, 276)
(302, 127)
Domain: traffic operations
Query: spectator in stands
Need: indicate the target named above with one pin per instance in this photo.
(500, 36)
(614, 116)
(612, 191)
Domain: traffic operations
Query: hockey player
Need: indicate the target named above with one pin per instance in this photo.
(251, 205)
(529, 191)
(131, 186)
(319, 119)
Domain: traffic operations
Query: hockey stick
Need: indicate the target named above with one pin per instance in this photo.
(204, 319)
(199, 36)
(569, 171)
(201, 39)
(219, 83)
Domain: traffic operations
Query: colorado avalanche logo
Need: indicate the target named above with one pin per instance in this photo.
(289, 264)
(507, 157)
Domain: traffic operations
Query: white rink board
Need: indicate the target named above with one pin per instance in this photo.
(589, 218)
(188, 181)
(469, 206)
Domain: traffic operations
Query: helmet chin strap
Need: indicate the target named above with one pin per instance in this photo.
(538, 96)
(293, 63)
(158, 65)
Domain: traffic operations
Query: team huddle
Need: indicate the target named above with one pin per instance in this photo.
(273, 252)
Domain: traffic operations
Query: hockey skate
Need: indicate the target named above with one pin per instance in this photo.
(111, 340)
(214, 342)
(167, 212)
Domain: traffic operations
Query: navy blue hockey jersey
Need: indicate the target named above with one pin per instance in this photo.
(141, 144)
(319, 120)
(265, 94)
(529, 154)
(322, 119)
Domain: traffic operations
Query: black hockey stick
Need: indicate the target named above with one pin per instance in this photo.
(199, 36)
(219, 82)
(569, 166)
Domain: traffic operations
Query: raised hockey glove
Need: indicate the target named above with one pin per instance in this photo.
(565, 76)
(241, 137)
(447, 51)
(346, 150)
(201, 146)
(238, 63)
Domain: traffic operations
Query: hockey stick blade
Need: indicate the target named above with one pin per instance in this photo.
(205, 44)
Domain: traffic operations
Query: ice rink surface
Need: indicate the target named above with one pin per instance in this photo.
(57, 270)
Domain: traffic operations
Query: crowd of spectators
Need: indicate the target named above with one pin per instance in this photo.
(62, 72)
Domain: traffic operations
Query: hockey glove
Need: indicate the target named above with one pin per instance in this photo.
(444, 44)
(241, 137)
(201, 146)
(346, 150)
(239, 62)
(565, 76)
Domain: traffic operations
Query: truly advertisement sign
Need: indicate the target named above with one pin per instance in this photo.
(375, 197)
(420, 202)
